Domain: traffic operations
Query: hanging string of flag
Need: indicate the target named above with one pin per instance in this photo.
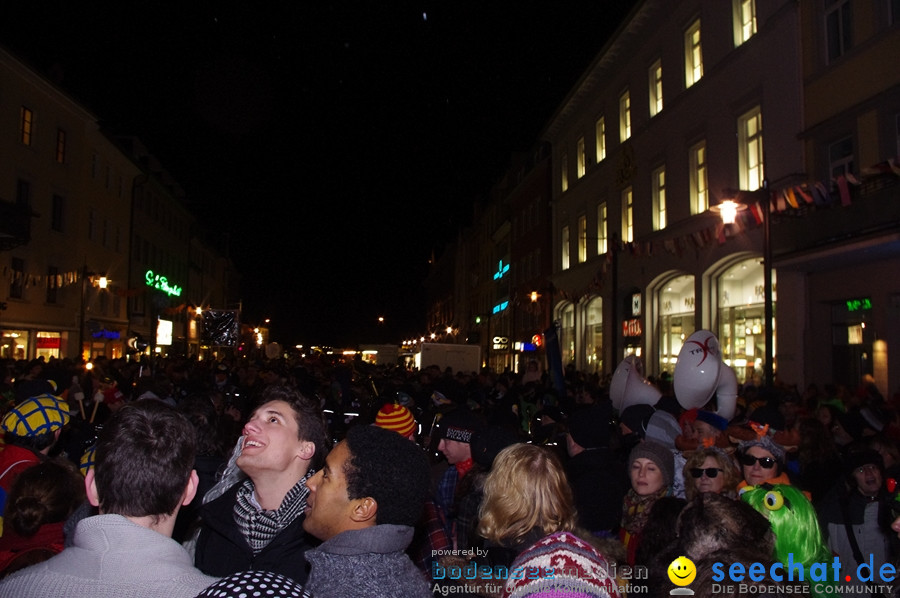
(842, 190)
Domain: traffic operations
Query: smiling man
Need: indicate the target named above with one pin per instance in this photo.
(257, 523)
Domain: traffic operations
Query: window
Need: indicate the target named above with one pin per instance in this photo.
(659, 198)
(564, 242)
(693, 56)
(750, 150)
(564, 173)
(582, 239)
(26, 125)
(601, 139)
(838, 28)
(699, 190)
(52, 283)
(627, 216)
(23, 193)
(744, 21)
(61, 146)
(57, 212)
(656, 92)
(580, 152)
(624, 116)
(840, 157)
(602, 230)
(17, 282)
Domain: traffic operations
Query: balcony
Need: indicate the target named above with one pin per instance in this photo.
(15, 225)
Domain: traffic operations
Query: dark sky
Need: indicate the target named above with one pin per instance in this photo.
(337, 143)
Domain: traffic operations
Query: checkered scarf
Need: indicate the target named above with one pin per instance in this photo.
(259, 526)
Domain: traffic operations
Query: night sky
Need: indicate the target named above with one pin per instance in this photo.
(334, 144)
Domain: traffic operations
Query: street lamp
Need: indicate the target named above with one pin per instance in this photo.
(733, 202)
(99, 281)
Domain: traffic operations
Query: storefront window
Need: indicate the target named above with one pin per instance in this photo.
(742, 333)
(14, 344)
(567, 334)
(48, 344)
(593, 336)
(676, 319)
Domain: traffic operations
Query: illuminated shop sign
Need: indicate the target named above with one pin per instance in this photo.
(859, 304)
(161, 283)
(632, 327)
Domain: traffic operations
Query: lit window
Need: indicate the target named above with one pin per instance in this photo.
(699, 190)
(624, 116)
(840, 157)
(601, 139)
(659, 198)
(564, 246)
(744, 20)
(580, 151)
(60, 146)
(26, 125)
(838, 28)
(602, 228)
(627, 216)
(693, 56)
(750, 150)
(564, 173)
(656, 91)
(582, 239)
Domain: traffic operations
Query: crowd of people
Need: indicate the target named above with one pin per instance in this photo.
(320, 477)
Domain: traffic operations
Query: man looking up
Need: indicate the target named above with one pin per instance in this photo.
(257, 523)
(143, 474)
(363, 504)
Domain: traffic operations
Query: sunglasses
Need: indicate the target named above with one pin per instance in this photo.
(711, 472)
(764, 462)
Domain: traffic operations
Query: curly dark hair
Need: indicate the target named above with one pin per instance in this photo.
(311, 424)
(390, 469)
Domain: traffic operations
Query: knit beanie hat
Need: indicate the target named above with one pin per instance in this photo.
(560, 565)
(663, 428)
(636, 418)
(658, 454)
(397, 418)
(589, 427)
(460, 425)
(766, 443)
(35, 416)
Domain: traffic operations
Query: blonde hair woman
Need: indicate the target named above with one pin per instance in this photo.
(710, 470)
(529, 509)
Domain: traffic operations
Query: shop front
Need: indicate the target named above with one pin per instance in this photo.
(676, 319)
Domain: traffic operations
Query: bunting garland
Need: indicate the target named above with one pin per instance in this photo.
(799, 198)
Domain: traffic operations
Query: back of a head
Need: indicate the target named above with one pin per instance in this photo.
(46, 493)
(526, 489)
(712, 522)
(144, 459)
(390, 469)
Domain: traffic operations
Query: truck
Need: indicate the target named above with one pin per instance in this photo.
(461, 358)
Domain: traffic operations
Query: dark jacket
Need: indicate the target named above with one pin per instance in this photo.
(222, 550)
(598, 483)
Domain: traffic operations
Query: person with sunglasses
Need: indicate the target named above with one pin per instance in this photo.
(761, 461)
(710, 470)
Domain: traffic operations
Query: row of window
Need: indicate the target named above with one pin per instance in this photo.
(27, 133)
(751, 171)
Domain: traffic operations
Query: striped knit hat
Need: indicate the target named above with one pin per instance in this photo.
(397, 418)
(38, 415)
(560, 566)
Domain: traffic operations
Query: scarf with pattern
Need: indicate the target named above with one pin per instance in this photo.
(259, 526)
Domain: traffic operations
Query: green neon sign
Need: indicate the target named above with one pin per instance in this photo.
(859, 304)
(160, 283)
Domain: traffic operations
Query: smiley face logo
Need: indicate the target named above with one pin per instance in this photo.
(682, 571)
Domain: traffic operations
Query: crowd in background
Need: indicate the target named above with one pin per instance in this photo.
(521, 472)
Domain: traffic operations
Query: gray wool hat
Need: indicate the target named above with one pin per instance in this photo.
(764, 442)
(658, 454)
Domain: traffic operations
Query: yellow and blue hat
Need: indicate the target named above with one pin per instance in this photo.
(41, 414)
